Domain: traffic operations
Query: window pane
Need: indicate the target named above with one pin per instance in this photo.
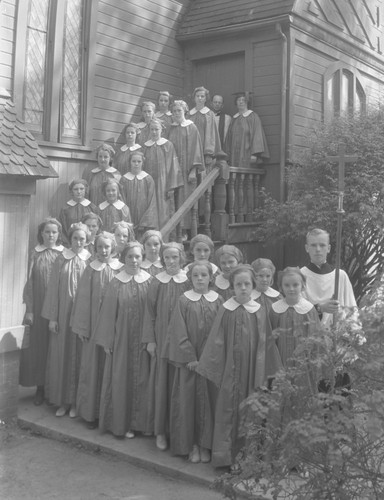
(346, 104)
(34, 90)
(72, 69)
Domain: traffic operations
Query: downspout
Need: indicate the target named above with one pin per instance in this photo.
(283, 113)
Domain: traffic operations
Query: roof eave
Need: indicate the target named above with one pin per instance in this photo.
(225, 30)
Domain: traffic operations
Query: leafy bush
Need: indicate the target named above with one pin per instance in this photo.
(312, 196)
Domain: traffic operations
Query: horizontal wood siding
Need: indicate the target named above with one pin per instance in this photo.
(7, 31)
(14, 211)
(52, 194)
(136, 56)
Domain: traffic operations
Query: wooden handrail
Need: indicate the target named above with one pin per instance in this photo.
(253, 171)
(205, 184)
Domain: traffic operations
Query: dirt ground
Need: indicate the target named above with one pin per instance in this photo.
(34, 467)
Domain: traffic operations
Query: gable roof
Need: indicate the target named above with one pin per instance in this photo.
(206, 15)
(19, 152)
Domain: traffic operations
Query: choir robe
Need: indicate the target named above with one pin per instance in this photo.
(140, 195)
(153, 268)
(166, 119)
(266, 299)
(189, 150)
(163, 166)
(95, 178)
(245, 138)
(33, 359)
(113, 212)
(222, 287)
(204, 119)
(122, 159)
(240, 356)
(92, 287)
(73, 213)
(64, 351)
(145, 133)
(123, 404)
(322, 286)
(192, 400)
(163, 295)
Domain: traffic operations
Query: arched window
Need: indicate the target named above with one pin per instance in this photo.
(343, 92)
(51, 68)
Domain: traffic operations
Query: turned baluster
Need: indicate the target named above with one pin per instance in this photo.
(256, 191)
(207, 211)
(231, 197)
(240, 199)
(249, 198)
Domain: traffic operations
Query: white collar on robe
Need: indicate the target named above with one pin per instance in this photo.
(131, 148)
(110, 170)
(141, 124)
(302, 307)
(184, 124)
(159, 114)
(70, 254)
(73, 203)
(204, 111)
(211, 296)
(140, 277)
(246, 113)
(214, 267)
(221, 282)
(159, 142)
(118, 204)
(139, 176)
(146, 264)
(41, 248)
(180, 277)
(115, 264)
(251, 306)
(270, 292)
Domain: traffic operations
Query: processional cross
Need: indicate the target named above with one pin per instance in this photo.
(342, 159)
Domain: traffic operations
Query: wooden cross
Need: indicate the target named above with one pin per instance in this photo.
(342, 159)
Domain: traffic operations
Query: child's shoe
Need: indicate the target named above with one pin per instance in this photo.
(39, 396)
(61, 411)
(205, 455)
(194, 456)
(130, 435)
(161, 442)
(92, 424)
(72, 412)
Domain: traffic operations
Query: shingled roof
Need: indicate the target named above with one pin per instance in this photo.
(19, 152)
(206, 15)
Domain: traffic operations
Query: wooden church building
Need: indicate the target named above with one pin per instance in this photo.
(77, 71)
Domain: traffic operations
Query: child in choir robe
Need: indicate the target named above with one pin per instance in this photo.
(152, 241)
(164, 114)
(185, 137)
(123, 233)
(122, 158)
(192, 407)
(162, 165)
(139, 193)
(163, 295)
(202, 248)
(33, 360)
(263, 293)
(228, 257)
(76, 208)
(148, 110)
(123, 406)
(94, 225)
(98, 175)
(64, 350)
(239, 357)
(113, 209)
(204, 119)
(92, 287)
(294, 318)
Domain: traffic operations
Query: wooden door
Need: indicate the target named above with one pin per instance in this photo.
(222, 75)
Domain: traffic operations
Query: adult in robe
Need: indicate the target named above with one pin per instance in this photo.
(189, 150)
(222, 120)
(246, 142)
(320, 279)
